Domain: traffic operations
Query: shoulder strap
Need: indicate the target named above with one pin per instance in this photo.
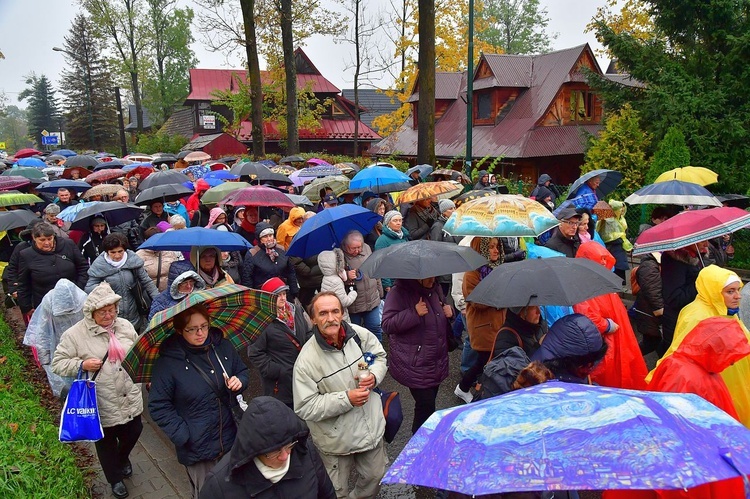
(504, 328)
(297, 344)
(93, 378)
(205, 377)
(158, 271)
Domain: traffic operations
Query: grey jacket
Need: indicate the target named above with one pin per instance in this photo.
(369, 290)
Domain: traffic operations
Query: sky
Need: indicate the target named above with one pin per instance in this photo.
(28, 38)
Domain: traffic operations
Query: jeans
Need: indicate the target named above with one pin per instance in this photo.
(468, 356)
(369, 320)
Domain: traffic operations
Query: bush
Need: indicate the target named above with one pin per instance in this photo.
(33, 461)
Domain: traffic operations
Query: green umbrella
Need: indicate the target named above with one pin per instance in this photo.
(216, 194)
(18, 198)
(339, 184)
(24, 171)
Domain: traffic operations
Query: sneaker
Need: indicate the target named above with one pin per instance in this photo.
(465, 396)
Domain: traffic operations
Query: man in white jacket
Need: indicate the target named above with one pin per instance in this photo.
(333, 394)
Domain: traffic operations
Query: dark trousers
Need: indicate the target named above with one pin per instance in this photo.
(114, 449)
(424, 405)
(470, 376)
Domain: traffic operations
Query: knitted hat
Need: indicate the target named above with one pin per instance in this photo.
(389, 216)
(274, 285)
(98, 220)
(445, 205)
(264, 229)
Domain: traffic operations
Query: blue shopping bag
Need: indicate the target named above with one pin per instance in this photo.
(80, 421)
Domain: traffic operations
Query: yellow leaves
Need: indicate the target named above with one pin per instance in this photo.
(633, 18)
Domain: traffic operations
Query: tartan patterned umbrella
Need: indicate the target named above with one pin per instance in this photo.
(441, 190)
(239, 312)
(257, 195)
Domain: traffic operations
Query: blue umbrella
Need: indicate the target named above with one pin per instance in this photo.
(673, 192)
(379, 179)
(610, 180)
(133, 166)
(319, 171)
(423, 170)
(560, 436)
(325, 230)
(69, 213)
(267, 162)
(32, 162)
(221, 175)
(185, 239)
(72, 185)
(66, 152)
(109, 165)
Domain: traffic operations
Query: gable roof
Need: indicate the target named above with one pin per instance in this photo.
(374, 101)
(133, 120)
(179, 123)
(448, 86)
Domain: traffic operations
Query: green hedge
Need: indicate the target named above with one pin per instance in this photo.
(33, 463)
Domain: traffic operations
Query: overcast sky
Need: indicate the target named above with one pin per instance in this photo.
(31, 28)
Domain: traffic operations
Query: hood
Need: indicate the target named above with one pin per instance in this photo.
(66, 298)
(618, 207)
(295, 214)
(213, 215)
(100, 268)
(715, 344)
(268, 425)
(481, 174)
(543, 178)
(236, 212)
(505, 368)
(570, 336)
(201, 186)
(374, 203)
(709, 284)
(596, 253)
(195, 250)
(331, 262)
(177, 268)
(100, 296)
(200, 284)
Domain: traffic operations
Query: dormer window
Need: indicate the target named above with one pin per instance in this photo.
(484, 106)
(582, 104)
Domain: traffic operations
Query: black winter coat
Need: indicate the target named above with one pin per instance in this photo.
(267, 426)
(678, 276)
(567, 247)
(528, 335)
(183, 404)
(258, 268)
(39, 271)
(10, 275)
(649, 297)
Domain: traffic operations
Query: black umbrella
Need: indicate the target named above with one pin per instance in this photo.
(16, 218)
(114, 212)
(55, 157)
(548, 281)
(165, 158)
(292, 159)
(182, 154)
(81, 160)
(163, 178)
(108, 165)
(471, 195)
(610, 180)
(737, 200)
(258, 172)
(228, 159)
(420, 260)
(164, 193)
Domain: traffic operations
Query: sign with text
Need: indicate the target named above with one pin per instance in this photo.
(209, 121)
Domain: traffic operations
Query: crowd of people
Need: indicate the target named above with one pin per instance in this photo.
(337, 332)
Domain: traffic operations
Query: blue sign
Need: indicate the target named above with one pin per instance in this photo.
(50, 140)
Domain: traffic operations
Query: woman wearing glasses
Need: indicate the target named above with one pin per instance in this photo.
(273, 456)
(194, 384)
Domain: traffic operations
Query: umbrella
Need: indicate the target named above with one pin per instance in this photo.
(737, 200)
(610, 180)
(142, 170)
(18, 198)
(13, 182)
(407, 260)
(182, 154)
(114, 212)
(220, 175)
(561, 436)
(185, 239)
(164, 193)
(196, 156)
(441, 190)
(25, 153)
(228, 159)
(83, 161)
(347, 167)
(82, 172)
(28, 172)
(472, 195)
(317, 161)
(102, 190)
(31, 162)
(544, 281)
(602, 209)
(110, 165)
(71, 185)
(506, 215)
(165, 158)
(216, 194)
(283, 169)
(299, 200)
(292, 159)
(326, 229)
(69, 213)
(257, 195)
(104, 175)
(163, 178)
(239, 313)
(451, 174)
(338, 183)
(319, 171)
(695, 174)
(16, 218)
(690, 227)
(218, 166)
(54, 157)
(66, 152)
(424, 170)
(54, 171)
(257, 171)
(673, 192)
(379, 179)
(296, 180)
(198, 171)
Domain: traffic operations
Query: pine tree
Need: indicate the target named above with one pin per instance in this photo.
(672, 152)
(42, 112)
(90, 108)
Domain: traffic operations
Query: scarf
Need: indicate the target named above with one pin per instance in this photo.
(286, 315)
(427, 214)
(116, 352)
(484, 249)
(733, 311)
(585, 237)
(115, 264)
(273, 475)
(392, 233)
(247, 226)
(211, 279)
(271, 252)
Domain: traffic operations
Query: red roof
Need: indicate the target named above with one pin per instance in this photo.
(448, 86)
(329, 130)
(205, 81)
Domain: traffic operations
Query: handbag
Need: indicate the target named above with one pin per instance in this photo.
(80, 421)
(142, 298)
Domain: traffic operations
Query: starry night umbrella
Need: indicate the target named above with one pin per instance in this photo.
(198, 171)
(238, 312)
(164, 193)
(569, 436)
(13, 182)
(16, 218)
(257, 195)
(216, 194)
(71, 185)
(84, 161)
(501, 215)
(102, 190)
(163, 178)
(104, 175)
(21, 171)
(421, 259)
(18, 198)
(114, 212)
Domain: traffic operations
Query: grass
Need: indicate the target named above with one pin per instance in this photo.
(33, 462)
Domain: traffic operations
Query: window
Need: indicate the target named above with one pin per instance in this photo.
(484, 106)
(582, 105)
(335, 110)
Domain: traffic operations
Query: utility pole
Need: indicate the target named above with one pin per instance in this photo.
(470, 92)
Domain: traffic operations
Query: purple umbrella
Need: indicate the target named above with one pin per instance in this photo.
(316, 161)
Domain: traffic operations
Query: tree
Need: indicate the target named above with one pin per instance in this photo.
(284, 9)
(621, 146)
(90, 109)
(518, 26)
(42, 111)
(634, 18)
(672, 152)
(253, 73)
(13, 129)
(166, 84)
(426, 105)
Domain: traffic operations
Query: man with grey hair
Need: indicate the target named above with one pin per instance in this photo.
(50, 216)
(365, 311)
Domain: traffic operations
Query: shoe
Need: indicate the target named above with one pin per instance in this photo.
(119, 490)
(465, 396)
(127, 471)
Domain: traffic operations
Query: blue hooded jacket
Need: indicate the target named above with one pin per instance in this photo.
(570, 337)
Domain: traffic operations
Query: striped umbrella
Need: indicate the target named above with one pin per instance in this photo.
(319, 171)
(238, 312)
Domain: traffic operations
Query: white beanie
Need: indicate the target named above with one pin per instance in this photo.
(389, 216)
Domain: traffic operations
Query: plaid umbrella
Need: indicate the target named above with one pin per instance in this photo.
(440, 190)
(104, 175)
(239, 312)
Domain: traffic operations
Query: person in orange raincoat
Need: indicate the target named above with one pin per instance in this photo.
(623, 366)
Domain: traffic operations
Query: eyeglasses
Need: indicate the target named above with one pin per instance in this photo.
(193, 330)
(570, 223)
(103, 312)
(287, 448)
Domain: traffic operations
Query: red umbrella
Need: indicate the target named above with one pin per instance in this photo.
(82, 172)
(257, 195)
(13, 182)
(104, 175)
(25, 153)
(144, 172)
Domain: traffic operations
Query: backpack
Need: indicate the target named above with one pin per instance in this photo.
(634, 286)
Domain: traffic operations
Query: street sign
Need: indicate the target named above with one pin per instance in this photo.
(2, 145)
(45, 133)
(50, 140)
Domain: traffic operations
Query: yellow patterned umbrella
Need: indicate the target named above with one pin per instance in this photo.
(695, 174)
(502, 215)
(441, 190)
